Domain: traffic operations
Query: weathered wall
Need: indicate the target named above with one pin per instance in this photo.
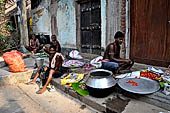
(66, 23)
(64, 13)
(53, 19)
(113, 19)
(41, 18)
(116, 21)
(103, 23)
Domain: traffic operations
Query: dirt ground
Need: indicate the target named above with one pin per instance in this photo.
(13, 100)
(23, 99)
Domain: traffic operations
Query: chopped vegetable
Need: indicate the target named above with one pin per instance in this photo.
(42, 55)
(133, 83)
(149, 75)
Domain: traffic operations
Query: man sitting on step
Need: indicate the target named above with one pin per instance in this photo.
(54, 69)
(112, 60)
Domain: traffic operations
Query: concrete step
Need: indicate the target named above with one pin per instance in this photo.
(118, 102)
(9, 78)
(158, 99)
(96, 103)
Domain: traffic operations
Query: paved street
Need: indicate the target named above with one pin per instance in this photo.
(13, 100)
(23, 99)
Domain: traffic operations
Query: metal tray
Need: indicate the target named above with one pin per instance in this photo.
(145, 85)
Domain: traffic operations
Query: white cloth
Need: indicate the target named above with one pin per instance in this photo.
(129, 75)
(54, 59)
(97, 62)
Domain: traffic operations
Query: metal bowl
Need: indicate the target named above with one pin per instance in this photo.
(39, 61)
(100, 79)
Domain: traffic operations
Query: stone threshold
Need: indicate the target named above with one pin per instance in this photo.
(101, 104)
(157, 99)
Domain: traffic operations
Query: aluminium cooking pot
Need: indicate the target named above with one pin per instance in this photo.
(100, 83)
(100, 79)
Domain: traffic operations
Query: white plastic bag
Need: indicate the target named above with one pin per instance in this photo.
(75, 54)
(97, 62)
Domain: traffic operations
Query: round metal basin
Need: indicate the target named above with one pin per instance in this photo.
(100, 79)
(39, 61)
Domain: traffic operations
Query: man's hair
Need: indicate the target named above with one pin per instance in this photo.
(53, 36)
(119, 34)
(31, 35)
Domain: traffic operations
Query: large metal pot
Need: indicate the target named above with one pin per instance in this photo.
(100, 82)
(100, 78)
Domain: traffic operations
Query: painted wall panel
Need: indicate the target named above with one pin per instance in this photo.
(40, 19)
(113, 19)
(103, 23)
(66, 23)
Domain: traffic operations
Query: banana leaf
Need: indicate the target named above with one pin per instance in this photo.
(79, 90)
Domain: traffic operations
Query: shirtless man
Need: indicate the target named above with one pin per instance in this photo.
(34, 45)
(54, 42)
(111, 59)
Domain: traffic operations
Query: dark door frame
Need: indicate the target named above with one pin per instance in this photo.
(78, 25)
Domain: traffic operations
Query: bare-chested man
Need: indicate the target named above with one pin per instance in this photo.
(112, 60)
(34, 45)
(54, 42)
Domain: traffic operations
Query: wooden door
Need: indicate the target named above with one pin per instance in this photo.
(90, 26)
(150, 31)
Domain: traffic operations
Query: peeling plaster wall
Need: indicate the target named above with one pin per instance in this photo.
(53, 13)
(41, 18)
(66, 23)
(103, 23)
(114, 8)
(113, 19)
(65, 13)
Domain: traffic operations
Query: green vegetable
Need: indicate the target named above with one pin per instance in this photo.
(161, 84)
(42, 55)
(79, 90)
(72, 66)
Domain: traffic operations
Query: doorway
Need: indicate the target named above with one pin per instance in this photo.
(90, 26)
(150, 31)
